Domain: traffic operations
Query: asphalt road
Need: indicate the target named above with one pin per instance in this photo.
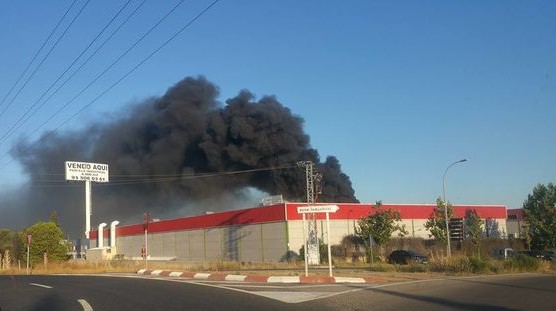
(508, 293)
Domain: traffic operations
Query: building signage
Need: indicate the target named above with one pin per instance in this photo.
(318, 209)
(83, 171)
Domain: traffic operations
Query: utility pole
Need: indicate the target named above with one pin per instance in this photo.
(146, 221)
(313, 180)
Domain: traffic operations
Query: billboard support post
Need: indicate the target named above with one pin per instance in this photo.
(314, 210)
(87, 208)
(87, 172)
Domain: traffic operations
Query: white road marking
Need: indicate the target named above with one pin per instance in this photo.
(176, 274)
(340, 279)
(292, 297)
(40, 285)
(86, 306)
(288, 297)
(283, 279)
(237, 278)
(264, 285)
(202, 276)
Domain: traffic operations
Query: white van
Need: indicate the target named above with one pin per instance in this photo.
(504, 253)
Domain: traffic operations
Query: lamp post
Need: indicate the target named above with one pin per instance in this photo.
(448, 248)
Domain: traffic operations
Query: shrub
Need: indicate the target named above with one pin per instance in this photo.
(460, 264)
(521, 263)
(383, 267)
(479, 265)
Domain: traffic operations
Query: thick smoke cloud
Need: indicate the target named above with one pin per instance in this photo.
(176, 155)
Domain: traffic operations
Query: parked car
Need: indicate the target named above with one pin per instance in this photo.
(532, 253)
(404, 257)
(549, 255)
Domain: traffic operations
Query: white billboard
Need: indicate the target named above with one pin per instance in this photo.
(84, 171)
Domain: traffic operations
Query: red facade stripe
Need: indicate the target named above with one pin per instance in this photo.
(288, 211)
(238, 217)
(421, 211)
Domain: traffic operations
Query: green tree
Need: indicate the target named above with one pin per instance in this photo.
(526, 235)
(53, 217)
(47, 238)
(540, 214)
(10, 240)
(436, 224)
(474, 229)
(381, 224)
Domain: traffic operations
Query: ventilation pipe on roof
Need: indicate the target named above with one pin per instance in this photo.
(113, 233)
(100, 242)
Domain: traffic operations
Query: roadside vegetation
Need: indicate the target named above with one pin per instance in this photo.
(480, 249)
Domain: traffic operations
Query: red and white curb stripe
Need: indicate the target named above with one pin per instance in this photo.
(255, 278)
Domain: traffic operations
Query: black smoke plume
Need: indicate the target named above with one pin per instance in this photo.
(181, 154)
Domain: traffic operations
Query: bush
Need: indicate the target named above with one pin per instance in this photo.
(522, 263)
(383, 267)
(461, 264)
(479, 265)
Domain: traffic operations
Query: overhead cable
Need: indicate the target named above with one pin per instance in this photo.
(182, 29)
(37, 53)
(43, 60)
(30, 111)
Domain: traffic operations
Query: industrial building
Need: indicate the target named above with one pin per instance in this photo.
(259, 234)
(515, 223)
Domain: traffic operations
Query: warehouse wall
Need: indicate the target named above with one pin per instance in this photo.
(250, 243)
(340, 228)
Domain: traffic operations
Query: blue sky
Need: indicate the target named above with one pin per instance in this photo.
(396, 90)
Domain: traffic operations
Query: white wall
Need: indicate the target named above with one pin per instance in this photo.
(342, 227)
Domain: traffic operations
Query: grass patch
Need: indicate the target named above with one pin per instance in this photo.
(523, 263)
(454, 265)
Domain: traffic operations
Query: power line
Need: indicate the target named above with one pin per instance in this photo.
(114, 63)
(115, 83)
(76, 71)
(37, 54)
(167, 178)
(79, 68)
(44, 59)
(30, 111)
(138, 65)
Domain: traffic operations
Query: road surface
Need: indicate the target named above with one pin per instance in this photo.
(506, 293)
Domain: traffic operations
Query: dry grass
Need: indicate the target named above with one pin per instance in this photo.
(456, 265)
(125, 266)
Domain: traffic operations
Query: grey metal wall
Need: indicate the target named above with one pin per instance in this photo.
(266, 242)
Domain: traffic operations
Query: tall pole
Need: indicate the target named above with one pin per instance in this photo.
(312, 244)
(305, 246)
(146, 249)
(328, 242)
(87, 208)
(448, 247)
(27, 259)
(147, 219)
(28, 249)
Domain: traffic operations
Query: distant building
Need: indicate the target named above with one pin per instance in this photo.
(515, 223)
(261, 234)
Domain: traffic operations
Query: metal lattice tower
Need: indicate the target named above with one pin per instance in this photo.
(313, 180)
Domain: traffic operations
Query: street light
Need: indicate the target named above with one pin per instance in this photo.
(448, 249)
